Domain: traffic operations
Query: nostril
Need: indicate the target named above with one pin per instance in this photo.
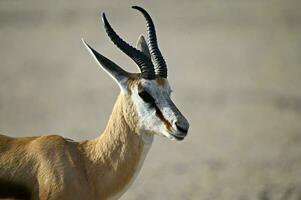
(183, 130)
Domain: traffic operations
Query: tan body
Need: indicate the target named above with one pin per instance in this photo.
(56, 168)
(52, 167)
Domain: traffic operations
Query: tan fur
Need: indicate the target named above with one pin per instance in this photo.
(132, 81)
(160, 81)
(52, 167)
(117, 151)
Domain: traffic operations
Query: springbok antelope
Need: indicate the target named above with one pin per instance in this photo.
(53, 167)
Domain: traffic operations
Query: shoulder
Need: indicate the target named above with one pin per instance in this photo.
(52, 144)
(53, 140)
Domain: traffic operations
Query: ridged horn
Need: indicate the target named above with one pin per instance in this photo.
(144, 63)
(160, 64)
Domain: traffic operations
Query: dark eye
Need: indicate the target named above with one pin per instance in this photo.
(146, 97)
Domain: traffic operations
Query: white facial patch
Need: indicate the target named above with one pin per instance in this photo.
(159, 119)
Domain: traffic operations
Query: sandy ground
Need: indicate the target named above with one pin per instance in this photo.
(235, 68)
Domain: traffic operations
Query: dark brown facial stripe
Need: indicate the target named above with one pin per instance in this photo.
(13, 190)
(161, 116)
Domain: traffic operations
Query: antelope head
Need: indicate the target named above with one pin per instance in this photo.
(149, 90)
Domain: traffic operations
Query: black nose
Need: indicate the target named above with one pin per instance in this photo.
(183, 130)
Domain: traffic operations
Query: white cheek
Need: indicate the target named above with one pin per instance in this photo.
(148, 121)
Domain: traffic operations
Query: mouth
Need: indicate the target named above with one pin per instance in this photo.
(177, 137)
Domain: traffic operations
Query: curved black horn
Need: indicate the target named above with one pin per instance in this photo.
(160, 64)
(144, 63)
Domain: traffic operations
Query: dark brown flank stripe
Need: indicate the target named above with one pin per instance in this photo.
(13, 190)
(161, 116)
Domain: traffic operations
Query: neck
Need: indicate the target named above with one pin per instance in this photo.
(114, 158)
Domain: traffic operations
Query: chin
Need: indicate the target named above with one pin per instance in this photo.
(177, 138)
(173, 136)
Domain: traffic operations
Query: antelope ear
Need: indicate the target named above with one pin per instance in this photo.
(117, 73)
(142, 46)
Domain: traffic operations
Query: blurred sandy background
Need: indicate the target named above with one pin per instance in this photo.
(235, 68)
